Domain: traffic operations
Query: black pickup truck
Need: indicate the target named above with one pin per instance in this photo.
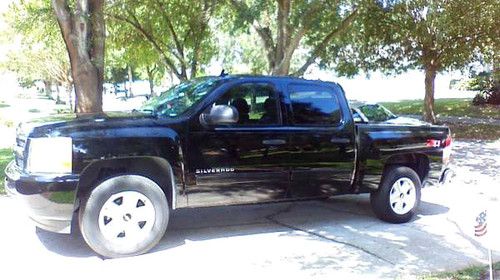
(217, 141)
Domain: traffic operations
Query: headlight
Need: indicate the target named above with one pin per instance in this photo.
(50, 155)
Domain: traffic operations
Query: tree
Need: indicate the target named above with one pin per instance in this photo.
(37, 58)
(83, 30)
(177, 30)
(487, 83)
(127, 48)
(310, 24)
(431, 35)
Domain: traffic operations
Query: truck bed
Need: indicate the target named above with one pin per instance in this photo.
(380, 144)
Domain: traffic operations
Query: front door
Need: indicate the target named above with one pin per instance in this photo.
(243, 162)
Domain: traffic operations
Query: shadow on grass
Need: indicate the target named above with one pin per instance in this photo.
(474, 131)
(461, 107)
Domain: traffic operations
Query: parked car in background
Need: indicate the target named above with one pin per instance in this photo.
(376, 113)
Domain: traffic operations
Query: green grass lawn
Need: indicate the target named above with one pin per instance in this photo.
(445, 107)
(470, 273)
(5, 157)
(474, 131)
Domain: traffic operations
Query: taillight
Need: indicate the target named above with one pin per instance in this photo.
(434, 143)
(447, 141)
(447, 149)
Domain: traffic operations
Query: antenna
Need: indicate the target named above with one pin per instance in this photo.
(223, 73)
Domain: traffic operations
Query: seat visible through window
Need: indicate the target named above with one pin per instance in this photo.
(256, 103)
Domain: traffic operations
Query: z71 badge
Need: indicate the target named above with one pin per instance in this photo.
(214, 170)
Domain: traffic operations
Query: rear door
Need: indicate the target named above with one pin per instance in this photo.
(321, 140)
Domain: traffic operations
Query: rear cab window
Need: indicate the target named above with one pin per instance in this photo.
(314, 105)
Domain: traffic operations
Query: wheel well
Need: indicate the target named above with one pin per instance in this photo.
(155, 168)
(418, 162)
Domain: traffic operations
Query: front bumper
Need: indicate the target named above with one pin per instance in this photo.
(49, 198)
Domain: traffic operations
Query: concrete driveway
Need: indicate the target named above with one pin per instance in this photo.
(339, 237)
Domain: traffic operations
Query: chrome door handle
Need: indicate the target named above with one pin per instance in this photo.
(273, 142)
(340, 140)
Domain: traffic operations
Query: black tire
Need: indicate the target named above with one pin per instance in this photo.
(130, 188)
(381, 199)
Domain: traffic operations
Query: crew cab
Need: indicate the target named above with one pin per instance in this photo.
(217, 141)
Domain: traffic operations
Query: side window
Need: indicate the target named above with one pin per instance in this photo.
(257, 103)
(314, 105)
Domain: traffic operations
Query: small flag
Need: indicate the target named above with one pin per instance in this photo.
(480, 228)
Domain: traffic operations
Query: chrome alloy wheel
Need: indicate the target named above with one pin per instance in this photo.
(127, 217)
(402, 196)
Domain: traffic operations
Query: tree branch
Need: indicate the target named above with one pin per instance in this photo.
(170, 26)
(344, 25)
(135, 23)
(63, 15)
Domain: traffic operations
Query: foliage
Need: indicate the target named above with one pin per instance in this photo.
(181, 38)
(488, 85)
(178, 33)
(36, 53)
(424, 34)
(491, 96)
(6, 155)
(127, 48)
(459, 107)
(286, 28)
(415, 34)
(471, 273)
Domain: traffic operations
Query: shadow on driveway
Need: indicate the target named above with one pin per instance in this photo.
(356, 239)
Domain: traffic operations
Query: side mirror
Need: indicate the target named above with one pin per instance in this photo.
(220, 114)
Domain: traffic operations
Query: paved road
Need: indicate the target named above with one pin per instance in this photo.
(336, 238)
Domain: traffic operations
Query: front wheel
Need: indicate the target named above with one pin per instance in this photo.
(124, 216)
(398, 196)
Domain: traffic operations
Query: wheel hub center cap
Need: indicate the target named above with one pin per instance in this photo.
(127, 217)
(402, 196)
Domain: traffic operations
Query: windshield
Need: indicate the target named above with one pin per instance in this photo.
(180, 98)
(376, 113)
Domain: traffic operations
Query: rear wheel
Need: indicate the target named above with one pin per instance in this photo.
(124, 216)
(398, 196)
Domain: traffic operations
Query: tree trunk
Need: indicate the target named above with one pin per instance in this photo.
(428, 113)
(83, 31)
(151, 77)
(280, 50)
(48, 89)
(151, 88)
(69, 92)
(283, 67)
(282, 60)
(130, 81)
(58, 95)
